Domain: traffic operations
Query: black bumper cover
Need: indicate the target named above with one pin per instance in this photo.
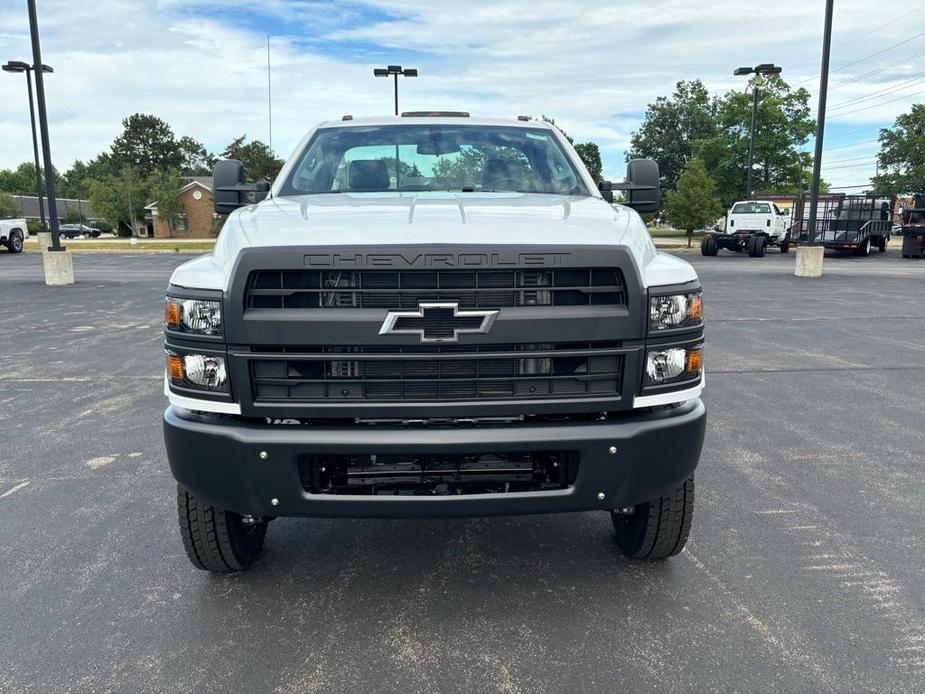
(219, 460)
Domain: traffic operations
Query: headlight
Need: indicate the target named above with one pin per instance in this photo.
(199, 371)
(675, 311)
(673, 365)
(197, 316)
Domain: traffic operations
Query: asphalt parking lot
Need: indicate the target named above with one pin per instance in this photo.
(805, 569)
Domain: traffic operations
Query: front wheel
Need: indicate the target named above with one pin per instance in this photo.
(217, 540)
(656, 529)
(784, 246)
(14, 242)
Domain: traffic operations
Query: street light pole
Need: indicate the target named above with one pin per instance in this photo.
(751, 139)
(43, 127)
(820, 123)
(758, 71)
(19, 66)
(395, 70)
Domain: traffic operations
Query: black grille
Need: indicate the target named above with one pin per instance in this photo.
(437, 373)
(399, 289)
(439, 474)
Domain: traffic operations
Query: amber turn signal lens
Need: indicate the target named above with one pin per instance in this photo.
(695, 309)
(175, 367)
(172, 314)
(694, 360)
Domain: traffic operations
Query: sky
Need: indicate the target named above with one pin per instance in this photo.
(202, 65)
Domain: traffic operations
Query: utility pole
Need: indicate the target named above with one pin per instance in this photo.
(269, 95)
(820, 121)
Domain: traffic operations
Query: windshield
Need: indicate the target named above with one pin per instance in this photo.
(462, 158)
(751, 208)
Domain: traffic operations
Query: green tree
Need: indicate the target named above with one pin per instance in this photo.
(782, 127)
(119, 198)
(672, 127)
(259, 161)
(590, 154)
(73, 216)
(146, 144)
(693, 204)
(7, 206)
(902, 155)
(195, 158)
(163, 188)
(75, 182)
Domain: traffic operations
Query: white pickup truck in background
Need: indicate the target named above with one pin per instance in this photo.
(13, 233)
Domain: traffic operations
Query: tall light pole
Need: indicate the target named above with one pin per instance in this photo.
(758, 71)
(395, 70)
(820, 122)
(43, 127)
(20, 66)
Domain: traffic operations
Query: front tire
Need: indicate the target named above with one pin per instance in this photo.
(657, 529)
(14, 242)
(784, 246)
(217, 540)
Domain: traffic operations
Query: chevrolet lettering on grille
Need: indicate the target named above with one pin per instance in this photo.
(438, 322)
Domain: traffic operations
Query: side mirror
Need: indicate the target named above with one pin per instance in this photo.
(642, 186)
(645, 195)
(229, 191)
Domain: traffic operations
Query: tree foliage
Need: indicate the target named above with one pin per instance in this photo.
(195, 159)
(902, 155)
(146, 144)
(590, 154)
(694, 203)
(259, 161)
(163, 188)
(672, 127)
(7, 206)
(716, 130)
(119, 198)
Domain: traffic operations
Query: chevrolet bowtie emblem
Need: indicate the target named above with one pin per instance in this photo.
(438, 321)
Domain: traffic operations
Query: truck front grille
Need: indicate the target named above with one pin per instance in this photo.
(399, 289)
(437, 373)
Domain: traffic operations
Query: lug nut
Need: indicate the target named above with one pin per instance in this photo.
(264, 455)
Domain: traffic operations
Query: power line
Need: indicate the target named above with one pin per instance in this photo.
(867, 32)
(866, 57)
(880, 92)
(881, 103)
(853, 144)
(877, 71)
(868, 157)
(826, 167)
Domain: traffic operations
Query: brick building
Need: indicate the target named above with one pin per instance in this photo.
(196, 222)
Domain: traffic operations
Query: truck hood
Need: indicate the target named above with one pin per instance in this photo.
(403, 219)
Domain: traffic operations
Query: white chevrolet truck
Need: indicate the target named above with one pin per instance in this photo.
(432, 315)
(13, 233)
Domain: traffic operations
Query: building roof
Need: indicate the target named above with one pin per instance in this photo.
(204, 182)
(28, 206)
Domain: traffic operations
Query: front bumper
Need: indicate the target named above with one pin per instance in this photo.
(219, 460)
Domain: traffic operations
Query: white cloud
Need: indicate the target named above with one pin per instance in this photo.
(201, 66)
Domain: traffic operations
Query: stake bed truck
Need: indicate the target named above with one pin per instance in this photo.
(432, 315)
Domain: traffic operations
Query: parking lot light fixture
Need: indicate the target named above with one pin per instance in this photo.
(395, 71)
(759, 71)
(19, 66)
